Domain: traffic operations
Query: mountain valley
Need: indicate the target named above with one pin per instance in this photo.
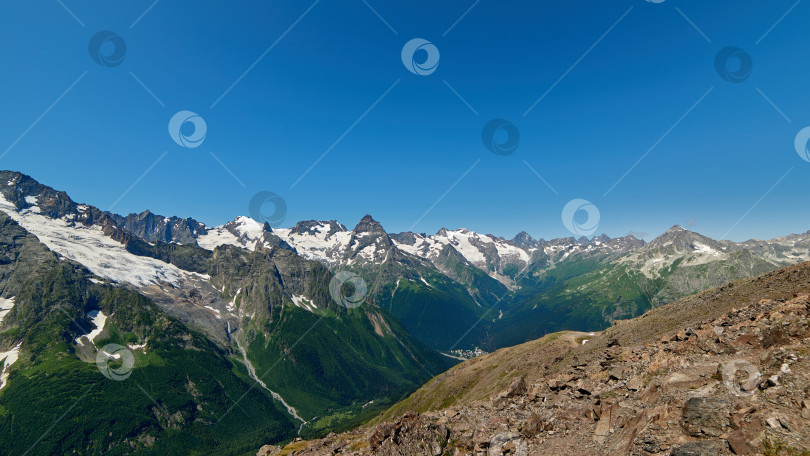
(196, 339)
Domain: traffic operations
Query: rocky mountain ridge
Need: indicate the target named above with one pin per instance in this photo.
(538, 286)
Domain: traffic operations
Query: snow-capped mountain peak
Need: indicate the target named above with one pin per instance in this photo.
(241, 232)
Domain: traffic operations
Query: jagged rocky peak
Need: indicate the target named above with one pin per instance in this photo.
(26, 193)
(329, 227)
(153, 227)
(524, 240)
(368, 225)
(369, 241)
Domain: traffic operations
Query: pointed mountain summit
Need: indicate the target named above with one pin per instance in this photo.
(679, 239)
(368, 225)
(369, 242)
(524, 241)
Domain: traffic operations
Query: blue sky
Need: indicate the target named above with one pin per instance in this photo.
(619, 77)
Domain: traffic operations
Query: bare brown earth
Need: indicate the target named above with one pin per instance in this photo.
(722, 372)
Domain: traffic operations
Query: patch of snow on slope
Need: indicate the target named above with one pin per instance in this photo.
(99, 319)
(89, 246)
(231, 306)
(8, 358)
(216, 311)
(5, 307)
(304, 303)
(706, 250)
(217, 237)
(141, 347)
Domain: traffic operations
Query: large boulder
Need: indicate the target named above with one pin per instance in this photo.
(704, 417)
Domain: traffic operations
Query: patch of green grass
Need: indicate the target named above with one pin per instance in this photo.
(779, 448)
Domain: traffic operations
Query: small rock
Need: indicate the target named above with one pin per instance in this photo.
(773, 422)
(533, 426)
(635, 383)
(516, 388)
(739, 443)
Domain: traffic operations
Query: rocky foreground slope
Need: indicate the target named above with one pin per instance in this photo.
(722, 372)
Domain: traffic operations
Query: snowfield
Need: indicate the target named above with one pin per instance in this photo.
(89, 246)
(98, 321)
(8, 358)
(318, 244)
(243, 232)
(5, 307)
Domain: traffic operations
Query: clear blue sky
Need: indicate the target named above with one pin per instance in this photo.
(420, 138)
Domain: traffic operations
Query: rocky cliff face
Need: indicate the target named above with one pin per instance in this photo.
(723, 372)
(156, 228)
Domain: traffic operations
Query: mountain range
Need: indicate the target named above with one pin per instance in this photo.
(237, 337)
(507, 290)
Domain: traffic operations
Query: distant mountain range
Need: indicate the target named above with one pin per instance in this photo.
(440, 285)
(242, 319)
